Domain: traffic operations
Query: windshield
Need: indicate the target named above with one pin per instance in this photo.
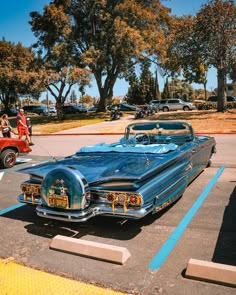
(159, 128)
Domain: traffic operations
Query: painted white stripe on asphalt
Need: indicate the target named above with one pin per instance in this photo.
(1, 175)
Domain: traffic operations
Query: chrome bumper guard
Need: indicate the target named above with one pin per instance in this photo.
(31, 201)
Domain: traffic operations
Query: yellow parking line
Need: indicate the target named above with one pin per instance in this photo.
(16, 279)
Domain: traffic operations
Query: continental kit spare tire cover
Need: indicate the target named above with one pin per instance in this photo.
(65, 188)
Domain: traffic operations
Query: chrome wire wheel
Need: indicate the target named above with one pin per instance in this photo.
(8, 158)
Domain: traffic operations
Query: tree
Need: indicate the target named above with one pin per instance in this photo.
(181, 89)
(132, 95)
(156, 90)
(146, 84)
(196, 72)
(61, 70)
(208, 39)
(172, 64)
(87, 100)
(232, 73)
(107, 36)
(183, 54)
(215, 33)
(166, 91)
(73, 97)
(60, 84)
(18, 75)
(145, 88)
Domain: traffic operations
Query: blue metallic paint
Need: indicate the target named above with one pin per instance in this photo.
(159, 179)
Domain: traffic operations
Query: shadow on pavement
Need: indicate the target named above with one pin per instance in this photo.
(225, 250)
(100, 226)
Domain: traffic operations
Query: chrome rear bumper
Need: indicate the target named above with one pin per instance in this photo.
(86, 214)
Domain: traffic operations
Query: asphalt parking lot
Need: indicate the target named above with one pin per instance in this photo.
(209, 236)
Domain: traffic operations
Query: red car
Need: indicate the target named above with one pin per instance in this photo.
(10, 148)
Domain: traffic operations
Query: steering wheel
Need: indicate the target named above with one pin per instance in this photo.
(142, 138)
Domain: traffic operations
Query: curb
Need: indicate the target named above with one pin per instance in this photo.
(211, 272)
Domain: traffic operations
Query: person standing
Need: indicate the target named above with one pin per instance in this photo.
(6, 126)
(22, 126)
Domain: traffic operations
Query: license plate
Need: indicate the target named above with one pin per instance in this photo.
(58, 201)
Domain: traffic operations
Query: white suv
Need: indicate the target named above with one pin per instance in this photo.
(175, 104)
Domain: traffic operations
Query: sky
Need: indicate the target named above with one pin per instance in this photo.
(15, 27)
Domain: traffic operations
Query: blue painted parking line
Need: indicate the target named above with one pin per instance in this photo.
(6, 210)
(168, 246)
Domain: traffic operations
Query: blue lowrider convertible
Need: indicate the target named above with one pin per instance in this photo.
(146, 171)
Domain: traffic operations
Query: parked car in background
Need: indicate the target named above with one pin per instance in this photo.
(145, 172)
(10, 149)
(39, 109)
(74, 109)
(212, 98)
(124, 107)
(175, 104)
(93, 109)
(229, 98)
(10, 112)
(52, 110)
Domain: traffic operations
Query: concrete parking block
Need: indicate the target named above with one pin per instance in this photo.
(210, 271)
(91, 249)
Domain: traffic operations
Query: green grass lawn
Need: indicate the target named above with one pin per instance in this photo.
(44, 124)
(204, 120)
